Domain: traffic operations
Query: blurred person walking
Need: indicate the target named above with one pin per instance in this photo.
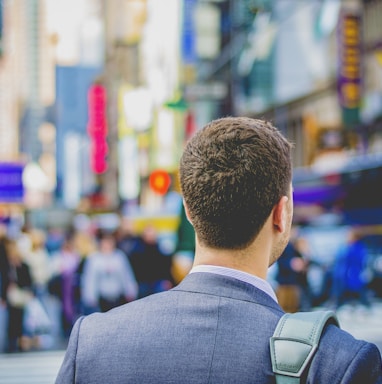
(4, 264)
(126, 238)
(291, 276)
(152, 267)
(108, 280)
(350, 273)
(64, 265)
(215, 326)
(290, 266)
(38, 261)
(301, 245)
(24, 239)
(4, 267)
(19, 291)
(85, 245)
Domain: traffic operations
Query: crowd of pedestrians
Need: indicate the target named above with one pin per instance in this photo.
(82, 271)
(346, 280)
(85, 271)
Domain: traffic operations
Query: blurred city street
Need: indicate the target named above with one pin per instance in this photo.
(96, 107)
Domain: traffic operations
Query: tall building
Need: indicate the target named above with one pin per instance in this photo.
(78, 64)
(13, 77)
(27, 96)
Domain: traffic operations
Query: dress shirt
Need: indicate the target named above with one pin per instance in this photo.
(239, 275)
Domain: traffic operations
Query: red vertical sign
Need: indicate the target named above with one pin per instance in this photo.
(97, 128)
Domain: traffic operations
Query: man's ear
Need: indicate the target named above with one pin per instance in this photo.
(187, 212)
(280, 215)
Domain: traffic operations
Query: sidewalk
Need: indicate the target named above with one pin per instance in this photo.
(362, 323)
(30, 367)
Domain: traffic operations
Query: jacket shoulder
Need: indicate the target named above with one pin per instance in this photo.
(343, 359)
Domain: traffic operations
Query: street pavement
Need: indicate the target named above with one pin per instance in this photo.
(30, 367)
(363, 323)
(42, 367)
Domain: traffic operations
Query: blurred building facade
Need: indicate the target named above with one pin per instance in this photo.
(27, 93)
(314, 70)
(97, 105)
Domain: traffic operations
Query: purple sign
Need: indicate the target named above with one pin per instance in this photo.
(11, 184)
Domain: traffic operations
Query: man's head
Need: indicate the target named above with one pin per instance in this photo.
(233, 173)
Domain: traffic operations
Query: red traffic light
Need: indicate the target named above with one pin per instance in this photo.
(159, 181)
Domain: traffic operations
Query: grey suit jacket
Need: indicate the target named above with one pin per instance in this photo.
(208, 329)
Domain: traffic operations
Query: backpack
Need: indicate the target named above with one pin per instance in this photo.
(295, 342)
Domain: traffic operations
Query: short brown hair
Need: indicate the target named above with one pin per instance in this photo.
(232, 173)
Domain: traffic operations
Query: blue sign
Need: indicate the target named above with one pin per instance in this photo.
(11, 183)
(72, 85)
(188, 32)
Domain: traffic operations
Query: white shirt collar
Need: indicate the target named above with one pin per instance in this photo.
(239, 275)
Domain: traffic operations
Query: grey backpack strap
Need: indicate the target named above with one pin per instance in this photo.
(295, 341)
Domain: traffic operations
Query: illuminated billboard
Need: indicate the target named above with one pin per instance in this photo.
(11, 184)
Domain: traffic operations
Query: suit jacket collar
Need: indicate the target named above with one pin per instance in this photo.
(218, 285)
